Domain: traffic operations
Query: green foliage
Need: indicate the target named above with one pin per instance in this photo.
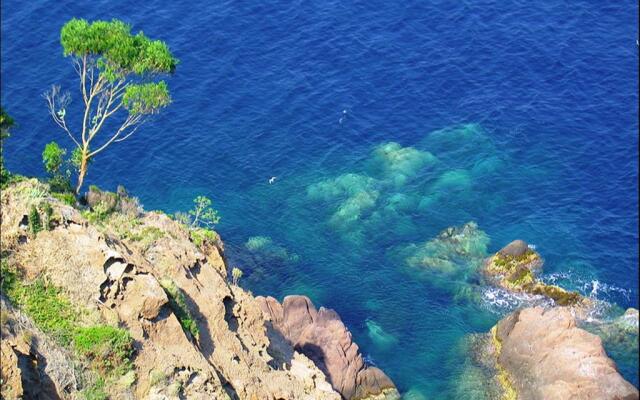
(53, 158)
(178, 304)
(202, 213)
(146, 236)
(76, 158)
(108, 348)
(236, 274)
(119, 52)
(48, 213)
(35, 224)
(6, 122)
(96, 390)
(46, 305)
(98, 214)
(200, 235)
(146, 98)
(66, 198)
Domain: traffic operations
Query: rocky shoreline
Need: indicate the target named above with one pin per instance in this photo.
(194, 334)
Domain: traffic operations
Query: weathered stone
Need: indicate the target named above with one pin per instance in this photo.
(516, 248)
(322, 336)
(545, 356)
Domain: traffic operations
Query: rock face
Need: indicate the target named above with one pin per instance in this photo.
(515, 267)
(321, 336)
(119, 271)
(542, 355)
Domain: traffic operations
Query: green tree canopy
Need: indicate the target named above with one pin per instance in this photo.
(117, 71)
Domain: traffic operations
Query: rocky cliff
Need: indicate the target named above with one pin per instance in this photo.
(164, 299)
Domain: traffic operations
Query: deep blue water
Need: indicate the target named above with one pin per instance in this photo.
(306, 91)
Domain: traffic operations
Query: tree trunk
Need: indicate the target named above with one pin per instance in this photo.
(83, 170)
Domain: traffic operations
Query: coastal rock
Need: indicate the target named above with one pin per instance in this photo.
(194, 333)
(514, 268)
(517, 248)
(543, 355)
(322, 336)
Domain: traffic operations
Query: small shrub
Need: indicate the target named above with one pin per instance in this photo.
(178, 304)
(147, 235)
(200, 235)
(98, 214)
(67, 198)
(48, 213)
(107, 347)
(35, 224)
(46, 305)
(202, 213)
(157, 377)
(236, 274)
(96, 390)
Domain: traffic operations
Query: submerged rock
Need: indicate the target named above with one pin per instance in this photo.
(322, 336)
(464, 244)
(542, 355)
(265, 246)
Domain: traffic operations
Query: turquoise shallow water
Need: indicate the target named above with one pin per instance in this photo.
(384, 124)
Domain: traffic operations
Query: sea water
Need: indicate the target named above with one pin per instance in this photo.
(384, 123)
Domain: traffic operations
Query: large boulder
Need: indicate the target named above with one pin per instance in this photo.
(543, 355)
(515, 268)
(322, 336)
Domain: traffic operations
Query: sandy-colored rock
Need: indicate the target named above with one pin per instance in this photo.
(546, 356)
(116, 274)
(323, 337)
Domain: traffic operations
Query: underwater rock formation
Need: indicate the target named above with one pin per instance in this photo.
(515, 267)
(455, 245)
(265, 246)
(543, 355)
(322, 336)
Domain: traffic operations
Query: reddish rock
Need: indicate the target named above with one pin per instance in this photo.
(322, 336)
(548, 358)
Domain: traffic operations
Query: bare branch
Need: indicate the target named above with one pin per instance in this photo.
(131, 121)
(57, 103)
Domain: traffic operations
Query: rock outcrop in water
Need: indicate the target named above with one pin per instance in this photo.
(543, 355)
(515, 268)
(194, 335)
(321, 336)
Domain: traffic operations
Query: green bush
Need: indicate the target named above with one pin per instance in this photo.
(107, 347)
(98, 214)
(67, 198)
(178, 304)
(35, 224)
(96, 390)
(50, 311)
(48, 213)
(147, 235)
(200, 235)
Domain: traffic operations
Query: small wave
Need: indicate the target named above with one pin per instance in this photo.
(501, 301)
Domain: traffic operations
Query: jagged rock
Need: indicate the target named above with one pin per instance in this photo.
(32, 366)
(543, 355)
(322, 336)
(514, 268)
(225, 352)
